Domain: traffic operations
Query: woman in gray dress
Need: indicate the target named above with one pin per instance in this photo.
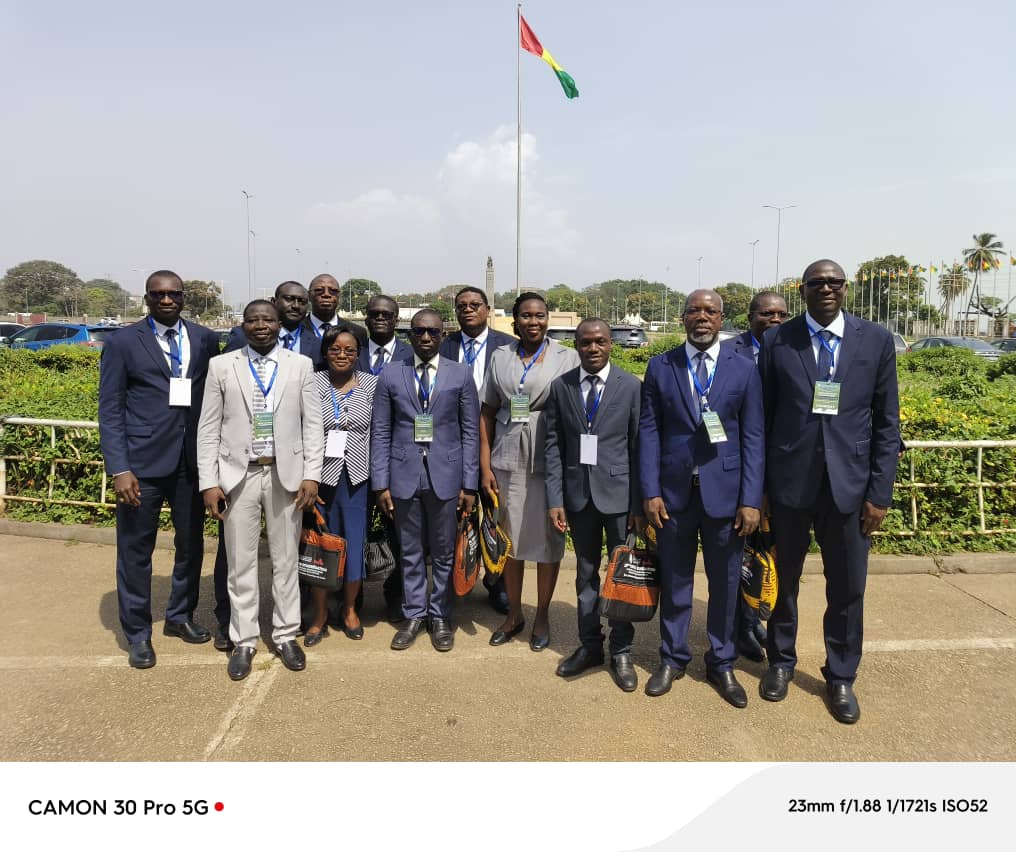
(512, 429)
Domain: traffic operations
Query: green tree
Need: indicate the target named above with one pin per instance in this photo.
(891, 291)
(42, 285)
(952, 284)
(985, 254)
(736, 299)
(203, 299)
(356, 292)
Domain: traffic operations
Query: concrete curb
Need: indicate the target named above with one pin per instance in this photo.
(952, 563)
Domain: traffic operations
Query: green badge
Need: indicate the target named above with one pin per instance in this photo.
(714, 428)
(827, 398)
(520, 408)
(263, 424)
(423, 428)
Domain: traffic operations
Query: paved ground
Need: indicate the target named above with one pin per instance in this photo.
(938, 682)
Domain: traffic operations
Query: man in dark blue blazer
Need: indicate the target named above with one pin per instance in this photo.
(590, 468)
(424, 469)
(324, 293)
(151, 384)
(833, 435)
(383, 346)
(293, 304)
(765, 311)
(701, 458)
(474, 345)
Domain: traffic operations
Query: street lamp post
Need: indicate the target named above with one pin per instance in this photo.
(252, 260)
(250, 274)
(700, 273)
(779, 221)
(753, 243)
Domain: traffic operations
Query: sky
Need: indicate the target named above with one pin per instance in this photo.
(377, 140)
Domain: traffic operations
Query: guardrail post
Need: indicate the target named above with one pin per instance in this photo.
(52, 462)
(980, 487)
(913, 495)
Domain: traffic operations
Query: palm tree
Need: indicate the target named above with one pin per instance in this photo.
(984, 255)
(952, 284)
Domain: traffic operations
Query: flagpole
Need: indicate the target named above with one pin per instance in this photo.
(518, 149)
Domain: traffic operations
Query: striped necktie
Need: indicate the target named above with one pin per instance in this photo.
(259, 403)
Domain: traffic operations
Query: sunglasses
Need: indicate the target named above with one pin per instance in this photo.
(424, 331)
(462, 307)
(834, 284)
(175, 295)
(380, 315)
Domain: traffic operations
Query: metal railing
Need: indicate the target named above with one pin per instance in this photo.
(978, 483)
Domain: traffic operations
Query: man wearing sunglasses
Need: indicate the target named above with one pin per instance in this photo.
(766, 311)
(832, 436)
(383, 347)
(150, 390)
(324, 294)
(424, 470)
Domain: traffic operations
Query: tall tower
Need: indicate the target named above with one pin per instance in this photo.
(489, 286)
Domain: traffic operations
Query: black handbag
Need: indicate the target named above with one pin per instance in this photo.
(322, 556)
(381, 551)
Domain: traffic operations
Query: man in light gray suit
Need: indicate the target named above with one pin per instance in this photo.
(592, 427)
(261, 447)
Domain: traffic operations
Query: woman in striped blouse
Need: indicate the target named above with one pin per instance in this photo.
(347, 397)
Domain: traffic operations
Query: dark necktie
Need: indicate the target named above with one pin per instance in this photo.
(591, 398)
(424, 385)
(702, 374)
(825, 358)
(470, 352)
(287, 340)
(174, 353)
(324, 327)
(379, 360)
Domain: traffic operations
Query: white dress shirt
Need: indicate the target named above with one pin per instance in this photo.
(481, 354)
(837, 327)
(372, 348)
(182, 338)
(712, 353)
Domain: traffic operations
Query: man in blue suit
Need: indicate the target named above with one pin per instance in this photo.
(383, 347)
(324, 293)
(833, 435)
(151, 384)
(474, 345)
(701, 456)
(765, 311)
(424, 469)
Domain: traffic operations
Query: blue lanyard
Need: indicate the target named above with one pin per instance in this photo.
(317, 331)
(181, 331)
(425, 392)
(264, 390)
(756, 343)
(703, 392)
(591, 416)
(337, 403)
(830, 349)
(527, 367)
(294, 338)
(384, 361)
(476, 352)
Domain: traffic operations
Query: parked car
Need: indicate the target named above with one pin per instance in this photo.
(9, 329)
(979, 347)
(1005, 344)
(56, 333)
(901, 344)
(561, 332)
(629, 337)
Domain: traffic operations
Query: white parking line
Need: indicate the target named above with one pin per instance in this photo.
(232, 727)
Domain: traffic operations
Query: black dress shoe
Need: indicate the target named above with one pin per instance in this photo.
(749, 648)
(292, 656)
(222, 640)
(499, 637)
(539, 643)
(730, 690)
(239, 662)
(843, 703)
(188, 631)
(582, 658)
(353, 632)
(407, 634)
(441, 635)
(312, 637)
(623, 672)
(660, 681)
(497, 597)
(141, 655)
(773, 686)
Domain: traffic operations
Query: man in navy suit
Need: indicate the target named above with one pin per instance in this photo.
(833, 435)
(292, 302)
(474, 345)
(701, 457)
(424, 469)
(383, 346)
(151, 384)
(324, 294)
(765, 311)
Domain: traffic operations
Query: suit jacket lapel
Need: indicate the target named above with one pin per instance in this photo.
(801, 341)
(609, 389)
(151, 344)
(850, 345)
(194, 346)
(412, 388)
(241, 369)
(679, 363)
(442, 379)
(282, 377)
(721, 374)
(574, 384)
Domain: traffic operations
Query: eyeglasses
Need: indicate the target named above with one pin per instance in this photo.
(769, 314)
(709, 312)
(351, 351)
(425, 331)
(462, 307)
(175, 295)
(834, 284)
(380, 315)
(320, 291)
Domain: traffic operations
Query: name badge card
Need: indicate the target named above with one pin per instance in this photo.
(423, 428)
(520, 408)
(827, 398)
(587, 449)
(335, 444)
(180, 392)
(263, 424)
(714, 428)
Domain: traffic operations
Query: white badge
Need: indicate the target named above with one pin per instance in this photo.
(827, 398)
(180, 392)
(714, 427)
(587, 449)
(335, 446)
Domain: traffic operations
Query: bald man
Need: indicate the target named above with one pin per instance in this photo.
(833, 434)
(324, 292)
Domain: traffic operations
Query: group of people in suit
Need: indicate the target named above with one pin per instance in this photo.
(797, 418)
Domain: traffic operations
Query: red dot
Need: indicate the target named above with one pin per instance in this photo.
(219, 806)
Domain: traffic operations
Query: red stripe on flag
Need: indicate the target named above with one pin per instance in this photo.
(528, 39)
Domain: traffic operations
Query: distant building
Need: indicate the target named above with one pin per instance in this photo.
(489, 285)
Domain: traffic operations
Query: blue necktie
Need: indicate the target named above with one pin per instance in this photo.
(702, 374)
(174, 354)
(379, 360)
(591, 398)
(287, 340)
(825, 358)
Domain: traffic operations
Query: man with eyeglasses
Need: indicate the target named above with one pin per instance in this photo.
(324, 294)
(833, 433)
(151, 387)
(473, 345)
(701, 457)
(766, 311)
(424, 470)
